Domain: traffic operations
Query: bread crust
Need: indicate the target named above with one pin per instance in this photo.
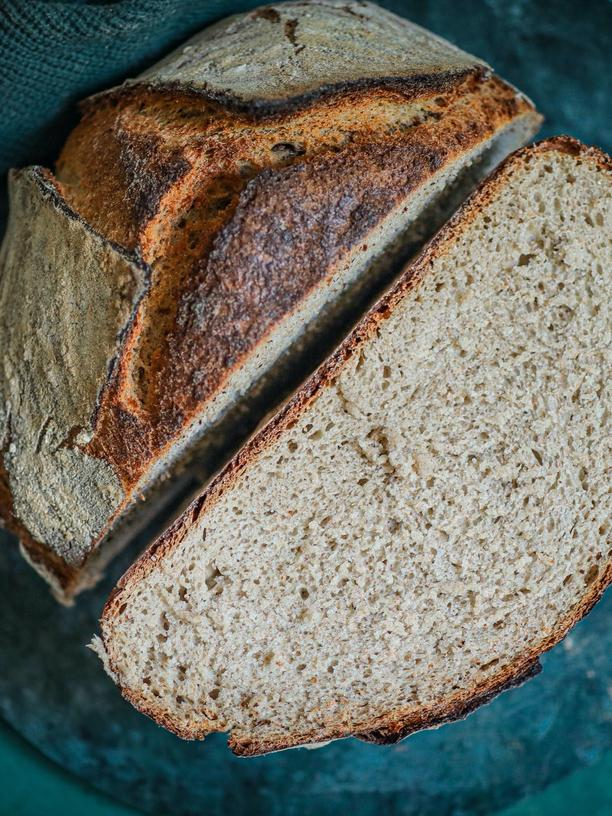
(286, 224)
(394, 725)
(253, 274)
(301, 52)
(105, 277)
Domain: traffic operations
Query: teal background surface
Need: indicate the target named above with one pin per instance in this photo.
(52, 54)
(36, 787)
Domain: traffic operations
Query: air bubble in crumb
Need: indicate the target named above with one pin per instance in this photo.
(212, 574)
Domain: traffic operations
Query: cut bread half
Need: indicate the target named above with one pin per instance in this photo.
(425, 517)
(266, 207)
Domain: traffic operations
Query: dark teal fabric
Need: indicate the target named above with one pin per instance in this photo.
(54, 53)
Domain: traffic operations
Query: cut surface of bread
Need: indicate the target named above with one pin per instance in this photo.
(263, 221)
(425, 517)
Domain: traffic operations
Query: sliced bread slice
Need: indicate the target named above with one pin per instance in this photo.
(425, 517)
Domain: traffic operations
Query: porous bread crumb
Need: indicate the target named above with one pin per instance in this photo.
(438, 511)
(435, 514)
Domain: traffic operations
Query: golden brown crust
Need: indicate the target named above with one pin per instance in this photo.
(397, 724)
(279, 236)
(151, 176)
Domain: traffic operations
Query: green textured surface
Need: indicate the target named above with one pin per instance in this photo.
(52, 53)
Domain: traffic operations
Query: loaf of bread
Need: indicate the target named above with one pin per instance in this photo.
(426, 516)
(209, 224)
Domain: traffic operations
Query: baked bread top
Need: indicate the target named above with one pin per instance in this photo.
(281, 56)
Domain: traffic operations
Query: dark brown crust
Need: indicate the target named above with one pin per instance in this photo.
(394, 725)
(148, 173)
(129, 441)
(284, 238)
(139, 164)
(261, 109)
